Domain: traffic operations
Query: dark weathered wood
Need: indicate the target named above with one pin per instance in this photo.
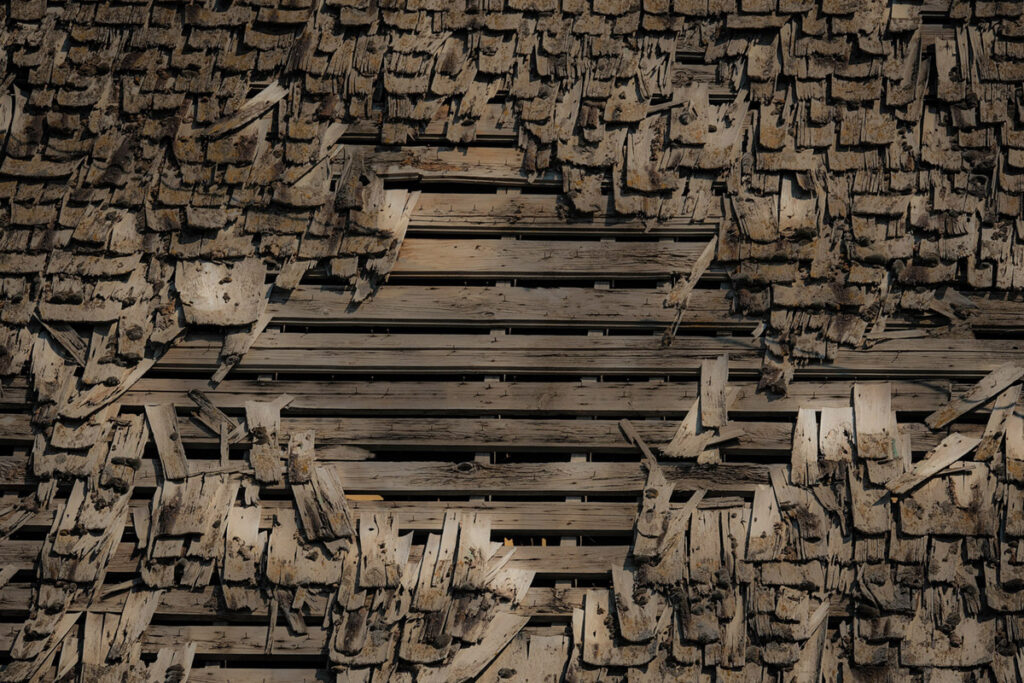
(552, 560)
(521, 517)
(946, 358)
(538, 214)
(545, 258)
(465, 478)
(750, 438)
(611, 398)
(488, 306)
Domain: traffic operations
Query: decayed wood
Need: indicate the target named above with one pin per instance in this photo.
(237, 344)
(470, 661)
(263, 420)
(993, 383)
(691, 438)
(163, 424)
(524, 478)
(634, 438)
(653, 514)
(952, 448)
(322, 506)
(223, 295)
(679, 293)
(836, 434)
(637, 622)
(251, 109)
(1014, 462)
(28, 669)
(433, 354)
(763, 543)
(135, 617)
(1004, 406)
(67, 338)
(214, 418)
(713, 377)
(874, 420)
(804, 461)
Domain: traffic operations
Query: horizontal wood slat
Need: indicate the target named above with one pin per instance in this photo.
(552, 560)
(207, 605)
(398, 304)
(544, 258)
(939, 357)
(540, 214)
(472, 478)
(513, 517)
(756, 438)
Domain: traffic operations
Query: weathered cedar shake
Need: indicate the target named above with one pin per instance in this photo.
(582, 207)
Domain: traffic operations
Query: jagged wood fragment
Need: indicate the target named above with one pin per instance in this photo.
(680, 292)
(874, 420)
(263, 420)
(1014, 442)
(804, 460)
(637, 621)
(683, 287)
(713, 377)
(163, 424)
(221, 294)
(990, 385)
(473, 554)
(691, 439)
(68, 339)
(136, 614)
(952, 448)
(437, 566)
(237, 343)
(992, 438)
(471, 660)
(214, 418)
(322, 506)
(835, 436)
(653, 514)
(291, 274)
(27, 669)
(599, 647)
(634, 438)
(251, 109)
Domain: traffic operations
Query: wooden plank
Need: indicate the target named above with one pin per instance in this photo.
(552, 560)
(519, 517)
(250, 109)
(206, 605)
(462, 478)
(752, 438)
(611, 398)
(952, 448)
(713, 377)
(544, 214)
(485, 306)
(946, 358)
(163, 424)
(983, 391)
(488, 306)
(544, 258)
(874, 421)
